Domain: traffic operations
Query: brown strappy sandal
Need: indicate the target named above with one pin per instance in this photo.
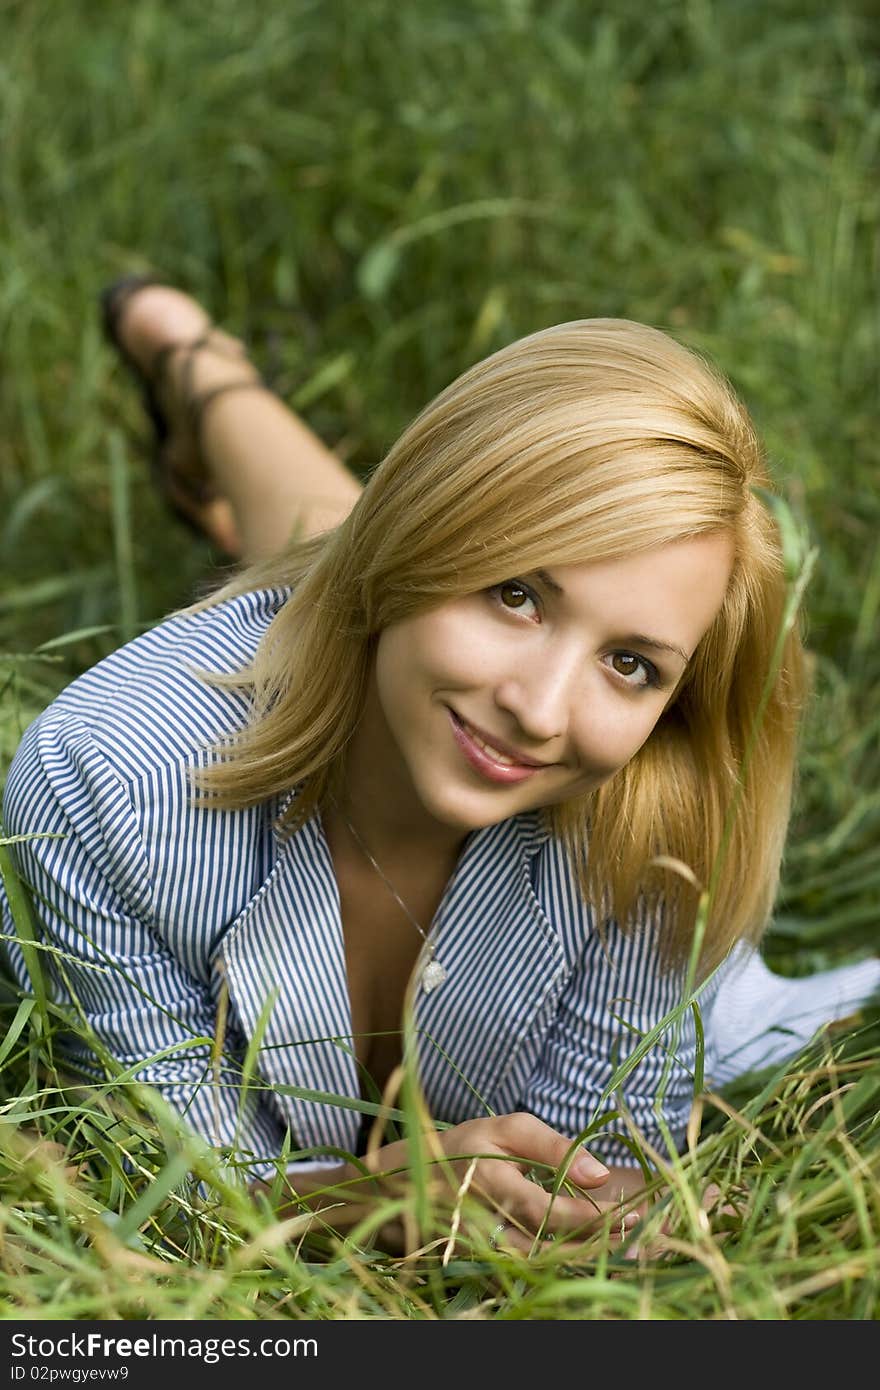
(170, 474)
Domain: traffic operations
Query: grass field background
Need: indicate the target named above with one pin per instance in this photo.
(376, 195)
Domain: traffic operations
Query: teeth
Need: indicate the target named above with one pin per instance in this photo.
(494, 753)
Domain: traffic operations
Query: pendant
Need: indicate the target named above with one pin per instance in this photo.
(433, 975)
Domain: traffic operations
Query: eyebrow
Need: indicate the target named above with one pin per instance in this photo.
(551, 583)
(635, 639)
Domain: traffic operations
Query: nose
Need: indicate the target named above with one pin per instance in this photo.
(540, 694)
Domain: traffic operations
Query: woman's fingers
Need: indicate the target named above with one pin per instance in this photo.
(505, 1159)
(500, 1184)
(529, 1138)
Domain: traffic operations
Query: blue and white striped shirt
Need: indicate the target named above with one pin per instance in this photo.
(536, 1013)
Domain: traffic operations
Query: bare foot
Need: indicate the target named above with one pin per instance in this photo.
(155, 319)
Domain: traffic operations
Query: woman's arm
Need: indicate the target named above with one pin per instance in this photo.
(92, 890)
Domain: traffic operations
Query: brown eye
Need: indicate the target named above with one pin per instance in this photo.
(629, 666)
(625, 665)
(512, 595)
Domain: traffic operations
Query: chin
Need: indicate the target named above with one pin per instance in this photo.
(465, 810)
(463, 819)
(457, 808)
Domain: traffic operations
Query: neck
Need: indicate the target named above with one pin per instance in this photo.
(391, 836)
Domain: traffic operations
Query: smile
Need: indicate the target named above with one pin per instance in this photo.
(493, 763)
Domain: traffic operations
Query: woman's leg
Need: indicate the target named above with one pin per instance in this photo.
(264, 471)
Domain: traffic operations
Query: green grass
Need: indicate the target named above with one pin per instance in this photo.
(376, 195)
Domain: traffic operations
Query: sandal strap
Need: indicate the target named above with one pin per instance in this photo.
(158, 365)
(195, 402)
(152, 375)
(198, 403)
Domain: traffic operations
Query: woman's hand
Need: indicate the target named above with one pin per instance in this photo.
(515, 1159)
(501, 1161)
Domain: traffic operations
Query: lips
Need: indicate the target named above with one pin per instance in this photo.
(491, 761)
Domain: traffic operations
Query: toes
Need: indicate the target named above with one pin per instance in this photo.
(158, 317)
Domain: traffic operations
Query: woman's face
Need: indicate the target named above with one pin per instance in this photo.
(537, 690)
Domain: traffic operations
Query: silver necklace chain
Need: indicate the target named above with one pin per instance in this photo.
(433, 973)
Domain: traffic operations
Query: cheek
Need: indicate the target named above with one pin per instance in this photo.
(416, 657)
(449, 646)
(614, 731)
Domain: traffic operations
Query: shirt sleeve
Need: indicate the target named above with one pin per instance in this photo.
(92, 894)
(615, 997)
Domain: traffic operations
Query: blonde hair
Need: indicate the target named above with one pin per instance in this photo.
(586, 441)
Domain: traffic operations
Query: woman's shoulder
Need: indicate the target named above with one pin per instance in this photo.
(162, 697)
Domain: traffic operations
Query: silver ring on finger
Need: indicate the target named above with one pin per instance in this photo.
(496, 1233)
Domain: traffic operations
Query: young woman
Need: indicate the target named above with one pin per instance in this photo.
(452, 737)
